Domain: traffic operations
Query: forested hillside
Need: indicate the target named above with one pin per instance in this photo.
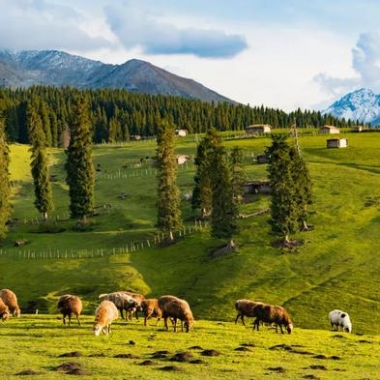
(117, 115)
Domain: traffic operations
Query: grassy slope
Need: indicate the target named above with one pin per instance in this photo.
(336, 268)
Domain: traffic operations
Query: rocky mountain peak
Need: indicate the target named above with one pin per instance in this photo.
(362, 104)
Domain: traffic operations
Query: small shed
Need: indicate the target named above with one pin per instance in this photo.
(257, 129)
(257, 187)
(359, 128)
(337, 143)
(330, 130)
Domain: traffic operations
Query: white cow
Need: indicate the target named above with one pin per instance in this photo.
(340, 319)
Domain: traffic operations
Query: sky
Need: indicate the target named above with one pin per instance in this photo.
(284, 54)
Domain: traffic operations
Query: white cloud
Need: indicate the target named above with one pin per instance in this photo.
(366, 59)
(135, 26)
(276, 71)
(365, 64)
(40, 24)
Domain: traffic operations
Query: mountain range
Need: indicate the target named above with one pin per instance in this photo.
(20, 69)
(56, 68)
(362, 105)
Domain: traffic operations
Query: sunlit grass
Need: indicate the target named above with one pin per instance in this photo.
(43, 344)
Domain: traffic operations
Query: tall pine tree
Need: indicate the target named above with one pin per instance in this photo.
(202, 192)
(39, 163)
(291, 187)
(304, 187)
(5, 207)
(80, 172)
(283, 208)
(224, 210)
(169, 218)
(239, 176)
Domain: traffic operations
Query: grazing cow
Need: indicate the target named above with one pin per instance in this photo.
(176, 308)
(105, 314)
(122, 301)
(68, 305)
(272, 314)
(10, 299)
(138, 299)
(245, 309)
(151, 308)
(340, 319)
(4, 311)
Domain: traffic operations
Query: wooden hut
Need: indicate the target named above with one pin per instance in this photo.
(337, 143)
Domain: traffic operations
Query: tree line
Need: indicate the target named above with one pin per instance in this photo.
(118, 115)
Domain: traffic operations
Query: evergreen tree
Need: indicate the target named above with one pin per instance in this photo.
(80, 172)
(47, 129)
(224, 210)
(238, 174)
(39, 163)
(54, 128)
(5, 207)
(168, 201)
(284, 208)
(291, 187)
(303, 187)
(202, 192)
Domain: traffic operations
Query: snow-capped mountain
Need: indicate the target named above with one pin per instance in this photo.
(57, 68)
(362, 105)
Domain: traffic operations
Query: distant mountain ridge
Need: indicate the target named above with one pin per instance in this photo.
(362, 105)
(57, 68)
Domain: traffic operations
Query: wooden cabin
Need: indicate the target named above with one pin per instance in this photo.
(329, 130)
(258, 129)
(337, 143)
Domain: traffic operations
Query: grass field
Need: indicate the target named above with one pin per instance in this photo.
(337, 267)
(40, 346)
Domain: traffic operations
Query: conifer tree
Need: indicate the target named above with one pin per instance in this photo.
(46, 127)
(80, 172)
(304, 187)
(39, 163)
(202, 192)
(224, 210)
(5, 207)
(238, 174)
(290, 185)
(283, 208)
(169, 217)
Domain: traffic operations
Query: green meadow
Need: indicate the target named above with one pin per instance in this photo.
(41, 347)
(338, 266)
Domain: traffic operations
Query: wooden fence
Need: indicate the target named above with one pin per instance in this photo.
(57, 254)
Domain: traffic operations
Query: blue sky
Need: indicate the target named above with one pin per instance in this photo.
(277, 53)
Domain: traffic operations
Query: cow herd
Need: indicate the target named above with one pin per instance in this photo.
(111, 304)
(166, 307)
(277, 315)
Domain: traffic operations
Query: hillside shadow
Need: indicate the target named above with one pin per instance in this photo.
(366, 168)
